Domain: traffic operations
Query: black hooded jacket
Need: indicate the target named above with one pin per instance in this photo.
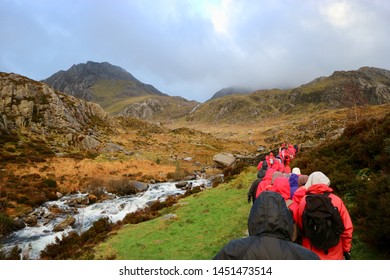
(270, 227)
(255, 183)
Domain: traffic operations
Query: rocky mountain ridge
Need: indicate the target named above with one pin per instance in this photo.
(343, 89)
(80, 79)
(119, 93)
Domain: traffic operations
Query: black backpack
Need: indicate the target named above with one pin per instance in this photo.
(321, 222)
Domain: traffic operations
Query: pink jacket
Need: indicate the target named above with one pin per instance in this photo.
(266, 182)
(281, 186)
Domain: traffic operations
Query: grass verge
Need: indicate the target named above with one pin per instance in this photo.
(200, 226)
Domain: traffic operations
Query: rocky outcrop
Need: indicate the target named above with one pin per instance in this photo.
(35, 106)
(161, 108)
(343, 89)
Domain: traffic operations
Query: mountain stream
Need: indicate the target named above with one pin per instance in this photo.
(33, 239)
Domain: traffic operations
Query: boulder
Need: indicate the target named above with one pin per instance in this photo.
(69, 221)
(181, 185)
(31, 220)
(112, 148)
(224, 159)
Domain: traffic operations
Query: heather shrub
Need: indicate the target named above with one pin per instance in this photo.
(6, 224)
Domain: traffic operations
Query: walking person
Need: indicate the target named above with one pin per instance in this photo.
(270, 227)
(319, 183)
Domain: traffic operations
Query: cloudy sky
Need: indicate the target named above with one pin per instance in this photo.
(193, 48)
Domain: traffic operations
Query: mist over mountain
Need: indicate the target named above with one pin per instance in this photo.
(231, 91)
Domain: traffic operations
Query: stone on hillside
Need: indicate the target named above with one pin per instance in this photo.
(112, 148)
(224, 159)
(89, 143)
(216, 180)
(168, 217)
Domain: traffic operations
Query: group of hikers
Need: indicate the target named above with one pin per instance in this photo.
(293, 215)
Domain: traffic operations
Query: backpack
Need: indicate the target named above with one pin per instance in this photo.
(321, 222)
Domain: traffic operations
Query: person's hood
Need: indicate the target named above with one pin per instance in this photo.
(281, 185)
(269, 173)
(315, 178)
(317, 182)
(269, 215)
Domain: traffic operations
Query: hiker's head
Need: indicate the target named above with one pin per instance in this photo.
(317, 177)
(275, 175)
(302, 179)
(296, 170)
(270, 215)
(281, 185)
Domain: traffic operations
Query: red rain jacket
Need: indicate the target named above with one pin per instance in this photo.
(336, 252)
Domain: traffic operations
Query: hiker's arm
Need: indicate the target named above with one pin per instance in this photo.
(346, 237)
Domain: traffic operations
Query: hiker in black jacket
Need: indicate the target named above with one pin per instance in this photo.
(270, 227)
(263, 166)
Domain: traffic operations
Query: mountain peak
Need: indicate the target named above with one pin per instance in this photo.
(101, 70)
(86, 81)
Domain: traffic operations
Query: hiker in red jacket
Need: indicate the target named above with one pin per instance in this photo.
(282, 186)
(291, 150)
(266, 182)
(299, 194)
(318, 183)
(278, 165)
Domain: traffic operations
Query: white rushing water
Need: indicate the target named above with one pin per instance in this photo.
(32, 240)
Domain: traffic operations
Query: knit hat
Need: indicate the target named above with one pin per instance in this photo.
(277, 174)
(302, 180)
(296, 170)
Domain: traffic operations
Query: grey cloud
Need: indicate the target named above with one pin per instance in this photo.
(174, 46)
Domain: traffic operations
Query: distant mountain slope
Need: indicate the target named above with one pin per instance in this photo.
(99, 82)
(231, 91)
(119, 92)
(155, 108)
(343, 89)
